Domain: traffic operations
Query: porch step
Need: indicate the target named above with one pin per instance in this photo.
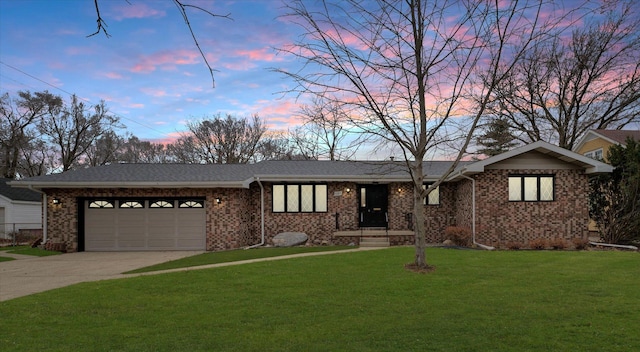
(374, 242)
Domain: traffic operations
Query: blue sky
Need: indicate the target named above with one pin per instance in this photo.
(149, 71)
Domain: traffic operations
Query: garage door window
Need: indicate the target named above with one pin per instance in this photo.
(161, 204)
(191, 204)
(97, 204)
(131, 204)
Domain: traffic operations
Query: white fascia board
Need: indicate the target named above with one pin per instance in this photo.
(590, 165)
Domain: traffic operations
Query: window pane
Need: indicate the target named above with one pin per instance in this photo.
(321, 198)
(161, 204)
(363, 197)
(191, 204)
(293, 198)
(434, 196)
(306, 192)
(515, 188)
(131, 204)
(530, 188)
(278, 198)
(101, 204)
(546, 188)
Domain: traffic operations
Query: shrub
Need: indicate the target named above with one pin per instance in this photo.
(558, 243)
(460, 236)
(580, 243)
(538, 243)
(514, 246)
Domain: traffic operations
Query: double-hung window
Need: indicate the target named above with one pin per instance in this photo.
(531, 188)
(432, 198)
(299, 198)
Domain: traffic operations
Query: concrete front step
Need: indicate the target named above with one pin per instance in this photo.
(374, 242)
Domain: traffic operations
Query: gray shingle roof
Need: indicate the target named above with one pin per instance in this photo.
(230, 175)
(15, 193)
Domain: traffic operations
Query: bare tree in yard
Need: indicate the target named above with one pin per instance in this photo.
(325, 131)
(568, 85)
(410, 68)
(17, 121)
(136, 151)
(104, 150)
(227, 140)
(74, 128)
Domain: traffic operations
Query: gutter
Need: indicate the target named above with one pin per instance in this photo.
(44, 213)
(261, 215)
(473, 212)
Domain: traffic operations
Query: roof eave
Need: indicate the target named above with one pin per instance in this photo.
(68, 185)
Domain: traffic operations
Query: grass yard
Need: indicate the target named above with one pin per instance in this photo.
(26, 250)
(235, 256)
(360, 301)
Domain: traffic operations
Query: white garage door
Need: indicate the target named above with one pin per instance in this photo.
(144, 224)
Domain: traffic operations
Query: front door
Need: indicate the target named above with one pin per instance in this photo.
(373, 205)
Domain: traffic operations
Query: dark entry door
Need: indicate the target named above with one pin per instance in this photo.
(373, 205)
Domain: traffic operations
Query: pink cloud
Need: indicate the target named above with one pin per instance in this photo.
(166, 60)
(154, 92)
(113, 75)
(137, 10)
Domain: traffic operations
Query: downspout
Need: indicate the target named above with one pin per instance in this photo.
(261, 215)
(473, 212)
(44, 214)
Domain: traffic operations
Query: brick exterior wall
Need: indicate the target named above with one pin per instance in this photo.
(229, 225)
(236, 221)
(499, 221)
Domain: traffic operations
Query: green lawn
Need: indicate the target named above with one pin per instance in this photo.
(359, 301)
(235, 256)
(27, 250)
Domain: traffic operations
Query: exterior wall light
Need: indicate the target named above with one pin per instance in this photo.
(55, 201)
(348, 190)
(218, 200)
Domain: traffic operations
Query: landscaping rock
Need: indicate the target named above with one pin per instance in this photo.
(289, 239)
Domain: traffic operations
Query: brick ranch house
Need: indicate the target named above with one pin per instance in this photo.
(536, 191)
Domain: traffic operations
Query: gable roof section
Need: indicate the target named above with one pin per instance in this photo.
(611, 136)
(231, 175)
(18, 194)
(242, 175)
(346, 171)
(147, 176)
(590, 166)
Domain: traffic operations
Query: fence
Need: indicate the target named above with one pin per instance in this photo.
(19, 232)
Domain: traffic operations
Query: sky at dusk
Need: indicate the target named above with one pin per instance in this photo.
(149, 72)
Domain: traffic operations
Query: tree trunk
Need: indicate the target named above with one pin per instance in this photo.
(418, 212)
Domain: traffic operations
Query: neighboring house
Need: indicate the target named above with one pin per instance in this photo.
(596, 143)
(20, 209)
(536, 191)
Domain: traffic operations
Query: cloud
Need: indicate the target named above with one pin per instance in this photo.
(112, 75)
(166, 60)
(135, 10)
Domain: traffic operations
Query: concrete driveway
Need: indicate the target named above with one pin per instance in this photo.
(30, 275)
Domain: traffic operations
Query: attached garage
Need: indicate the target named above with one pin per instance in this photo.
(144, 224)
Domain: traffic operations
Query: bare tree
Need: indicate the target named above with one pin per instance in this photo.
(105, 149)
(136, 151)
(227, 140)
(325, 133)
(568, 85)
(185, 150)
(74, 128)
(17, 121)
(409, 67)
